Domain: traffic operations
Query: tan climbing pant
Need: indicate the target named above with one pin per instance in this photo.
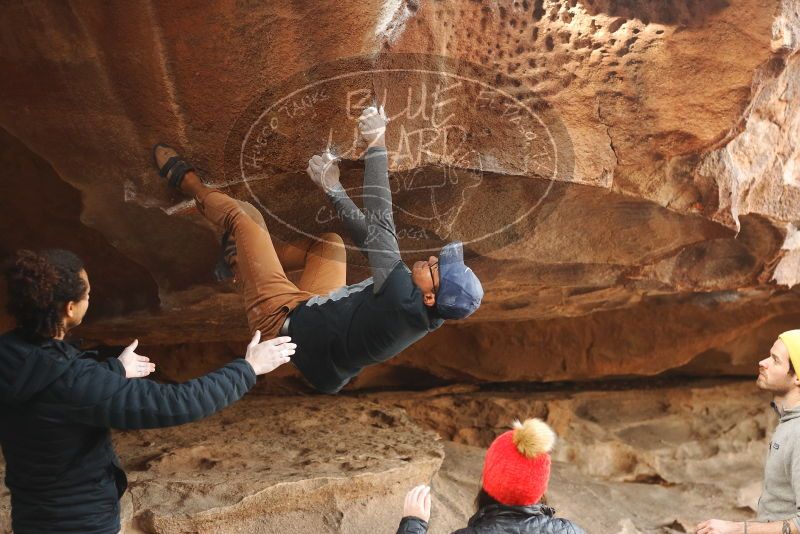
(269, 296)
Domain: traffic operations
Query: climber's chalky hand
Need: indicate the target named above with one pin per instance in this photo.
(372, 125)
(323, 170)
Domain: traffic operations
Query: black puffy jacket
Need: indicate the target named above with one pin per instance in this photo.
(56, 408)
(499, 519)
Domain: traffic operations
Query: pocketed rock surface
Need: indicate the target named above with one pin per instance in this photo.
(653, 460)
(667, 188)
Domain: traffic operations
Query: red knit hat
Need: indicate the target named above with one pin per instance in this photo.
(517, 465)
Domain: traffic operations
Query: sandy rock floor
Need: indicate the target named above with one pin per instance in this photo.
(654, 460)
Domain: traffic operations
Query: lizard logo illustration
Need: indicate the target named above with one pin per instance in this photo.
(447, 186)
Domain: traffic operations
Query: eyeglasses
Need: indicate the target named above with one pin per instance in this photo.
(433, 280)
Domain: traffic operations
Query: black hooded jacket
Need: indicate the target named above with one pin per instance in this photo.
(56, 409)
(500, 519)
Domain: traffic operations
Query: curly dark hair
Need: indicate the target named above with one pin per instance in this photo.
(39, 286)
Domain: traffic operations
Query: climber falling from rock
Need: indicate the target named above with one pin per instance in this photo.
(338, 329)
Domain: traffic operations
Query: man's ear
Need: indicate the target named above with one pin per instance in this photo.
(69, 309)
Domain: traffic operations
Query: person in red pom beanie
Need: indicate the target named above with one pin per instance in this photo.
(515, 476)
